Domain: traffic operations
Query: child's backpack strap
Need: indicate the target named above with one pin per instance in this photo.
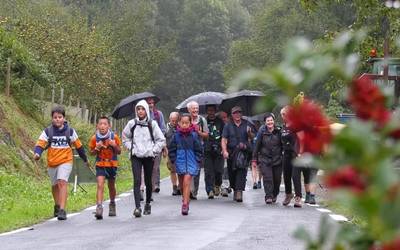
(150, 126)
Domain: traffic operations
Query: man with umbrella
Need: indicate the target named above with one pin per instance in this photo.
(213, 160)
(236, 148)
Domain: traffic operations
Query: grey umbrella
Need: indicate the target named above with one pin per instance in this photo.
(246, 99)
(125, 108)
(203, 99)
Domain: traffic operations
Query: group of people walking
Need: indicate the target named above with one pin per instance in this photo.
(223, 145)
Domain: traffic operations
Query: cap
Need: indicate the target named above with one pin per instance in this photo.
(236, 109)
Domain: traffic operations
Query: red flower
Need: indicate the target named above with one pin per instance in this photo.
(393, 245)
(347, 177)
(308, 118)
(368, 101)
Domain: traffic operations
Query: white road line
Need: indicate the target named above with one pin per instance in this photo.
(313, 205)
(17, 231)
(338, 217)
(324, 210)
(125, 194)
(90, 208)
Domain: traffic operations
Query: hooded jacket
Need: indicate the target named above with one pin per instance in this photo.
(142, 145)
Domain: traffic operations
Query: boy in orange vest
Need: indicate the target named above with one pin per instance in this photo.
(105, 144)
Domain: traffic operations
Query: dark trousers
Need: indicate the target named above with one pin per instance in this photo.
(237, 177)
(308, 175)
(213, 169)
(137, 164)
(272, 176)
(287, 165)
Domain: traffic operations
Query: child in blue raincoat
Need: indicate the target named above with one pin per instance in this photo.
(185, 152)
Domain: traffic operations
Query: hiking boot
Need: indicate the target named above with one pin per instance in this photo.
(287, 199)
(112, 211)
(307, 199)
(185, 209)
(147, 209)
(217, 190)
(224, 192)
(99, 212)
(193, 197)
(62, 215)
(157, 190)
(239, 196)
(211, 195)
(56, 209)
(178, 192)
(268, 200)
(297, 201)
(175, 190)
(259, 184)
(311, 200)
(255, 185)
(141, 195)
(137, 212)
(274, 199)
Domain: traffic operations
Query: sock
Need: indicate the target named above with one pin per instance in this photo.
(112, 201)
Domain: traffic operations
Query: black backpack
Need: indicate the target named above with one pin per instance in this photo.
(50, 133)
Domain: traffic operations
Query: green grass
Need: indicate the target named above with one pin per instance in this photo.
(26, 200)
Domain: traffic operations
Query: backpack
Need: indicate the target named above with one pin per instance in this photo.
(50, 133)
(149, 126)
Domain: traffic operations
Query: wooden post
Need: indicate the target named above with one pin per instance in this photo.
(83, 114)
(53, 94)
(62, 96)
(8, 77)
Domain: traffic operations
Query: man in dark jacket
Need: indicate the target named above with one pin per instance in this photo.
(267, 154)
(236, 138)
(213, 160)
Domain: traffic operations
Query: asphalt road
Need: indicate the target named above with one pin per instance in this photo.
(212, 224)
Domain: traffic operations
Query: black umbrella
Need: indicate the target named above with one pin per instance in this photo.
(203, 99)
(246, 99)
(126, 106)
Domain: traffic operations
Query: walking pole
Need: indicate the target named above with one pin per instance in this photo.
(75, 183)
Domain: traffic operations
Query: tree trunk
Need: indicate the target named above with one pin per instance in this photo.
(8, 77)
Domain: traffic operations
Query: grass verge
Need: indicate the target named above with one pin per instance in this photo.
(25, 200)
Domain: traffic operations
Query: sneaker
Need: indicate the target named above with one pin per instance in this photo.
(193, 197)
(141, 195)
(268, 201)
(239, 196)
(297, 201)
(99, 212)
(174, 190)
(62, 215)
(287, 199)
(185, 209)
(217, 190)
(274, 199)
(255, 185)
(147, 209)
(112, 211)
(259, 184)
(157, 190)
(56, 210)
(224, 192)
(312, 199)
(211, 195)
(229, 190)
(137, 212)
(308, 196)
(178, 192)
